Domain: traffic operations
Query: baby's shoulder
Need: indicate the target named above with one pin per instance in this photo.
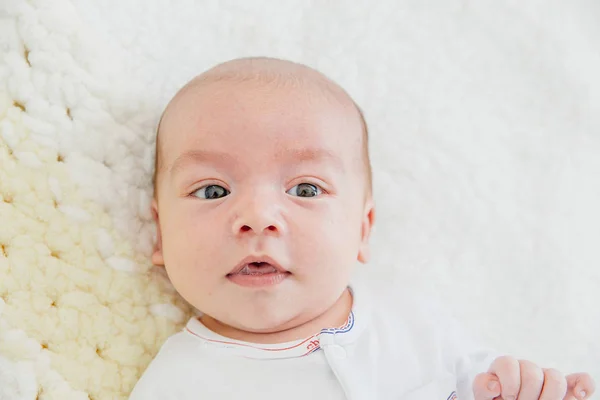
(179, 350)
(182, 364)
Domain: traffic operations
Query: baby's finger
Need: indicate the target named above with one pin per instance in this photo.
(555, 385)
(581, 386)
(486, 387)
(508, 371)
(532, 380)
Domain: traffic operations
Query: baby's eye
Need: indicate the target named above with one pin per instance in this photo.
(211, 192)
(305, 190)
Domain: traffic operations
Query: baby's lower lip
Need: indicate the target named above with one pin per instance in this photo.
(270, 279)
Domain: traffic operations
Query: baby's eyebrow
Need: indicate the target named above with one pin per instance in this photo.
(311, 155)
(199, 156)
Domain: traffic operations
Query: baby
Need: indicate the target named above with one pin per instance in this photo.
(263, 205)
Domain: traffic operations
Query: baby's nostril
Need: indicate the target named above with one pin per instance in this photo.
(246, 228)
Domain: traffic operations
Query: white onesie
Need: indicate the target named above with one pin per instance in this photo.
(393, 346)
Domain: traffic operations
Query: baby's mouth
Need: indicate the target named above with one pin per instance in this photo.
(257, 265)
(258, 272)
(257, 269)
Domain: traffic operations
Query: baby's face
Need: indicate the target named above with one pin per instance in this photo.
(265, 171)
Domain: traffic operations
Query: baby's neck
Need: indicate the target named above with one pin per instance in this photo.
(334, 317)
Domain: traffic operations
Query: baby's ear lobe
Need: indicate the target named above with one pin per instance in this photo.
(157, 253)
(367, 225)
(364, 254)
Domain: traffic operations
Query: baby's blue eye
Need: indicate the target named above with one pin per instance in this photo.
(305, 190)
(211, 192)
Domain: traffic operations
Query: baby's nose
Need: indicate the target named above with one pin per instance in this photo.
(258, 217)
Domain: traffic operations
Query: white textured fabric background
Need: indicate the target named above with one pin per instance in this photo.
(484, 120)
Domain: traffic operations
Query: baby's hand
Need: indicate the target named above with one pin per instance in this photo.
(511, 379)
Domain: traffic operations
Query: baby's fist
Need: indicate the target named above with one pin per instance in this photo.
(511, 379)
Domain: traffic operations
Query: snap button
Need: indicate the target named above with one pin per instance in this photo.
(338, 351)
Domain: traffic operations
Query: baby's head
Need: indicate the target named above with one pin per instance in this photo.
(262, 160)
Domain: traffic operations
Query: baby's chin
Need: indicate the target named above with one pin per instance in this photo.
(269, 327)
(269, 323)
(273, 325)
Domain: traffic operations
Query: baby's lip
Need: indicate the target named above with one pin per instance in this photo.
(257, 259)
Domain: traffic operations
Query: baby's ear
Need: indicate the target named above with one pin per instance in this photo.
(366, 226)
(157, 253)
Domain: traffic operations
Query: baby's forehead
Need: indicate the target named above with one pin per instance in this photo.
(227, 110)
(223, 102)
